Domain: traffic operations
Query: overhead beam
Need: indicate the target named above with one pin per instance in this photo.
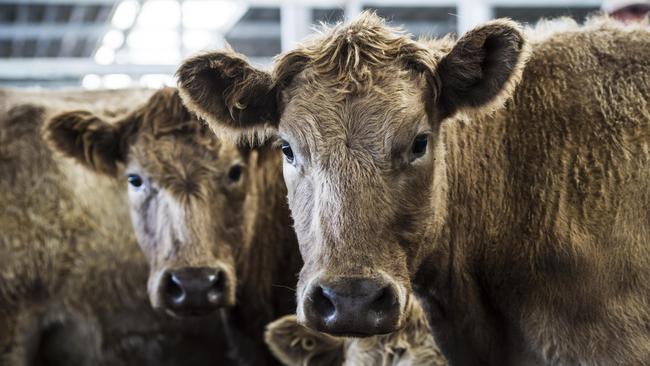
(30, 68)
(258, 29)
(49, 30)
(17, 44)
(61, 2)
(546, 3)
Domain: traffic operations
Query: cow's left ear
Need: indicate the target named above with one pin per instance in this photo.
(90, 140)
(483, 68)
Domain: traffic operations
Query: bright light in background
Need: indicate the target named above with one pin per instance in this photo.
(153, 39)
(160, 14)
(198, 39)
(149, 33)
(116, 81)
(212, 14)
(104, 55)
(156, 81)
(91, 81)
(113, 39)
(125, 14)
(155, 57)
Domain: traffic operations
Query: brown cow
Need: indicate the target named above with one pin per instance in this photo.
(212, 219)
(72, 277)
(511, 196)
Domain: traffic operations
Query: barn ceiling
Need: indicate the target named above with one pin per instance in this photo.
(117, 43)
(52, 29)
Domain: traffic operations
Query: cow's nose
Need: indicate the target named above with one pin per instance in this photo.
(194, 291)
(353, 306)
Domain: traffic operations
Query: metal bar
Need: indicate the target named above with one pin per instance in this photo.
(472, 13)
(60, 2)
(43, 42)
(545, 3)
(294, 24)
(68, 41)
(31, 68)
(49, 30)
(21, 18)
(352, 8)
(258, 29)
(106, 12)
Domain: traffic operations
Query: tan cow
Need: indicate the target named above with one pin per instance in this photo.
(211, 218)
(503, 181)
(72, 277)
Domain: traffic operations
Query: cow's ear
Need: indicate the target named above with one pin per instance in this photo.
(483, 68)
(226, 91)
(295, 344)
(90, 140)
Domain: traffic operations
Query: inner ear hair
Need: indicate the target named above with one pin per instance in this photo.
(483, 68)
(225, 90)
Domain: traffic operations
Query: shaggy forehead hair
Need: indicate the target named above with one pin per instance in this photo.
(165, 114)
(165, 118)
(173, 146)
(349, 58)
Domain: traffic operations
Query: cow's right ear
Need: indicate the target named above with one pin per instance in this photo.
(90, 140)
(226, 91)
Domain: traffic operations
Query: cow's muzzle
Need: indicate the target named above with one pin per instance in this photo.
(352, 306)
(194, 291)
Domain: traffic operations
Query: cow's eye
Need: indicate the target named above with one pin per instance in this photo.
(286, 150)
(234, 174)
(420, 145)
(134, 180)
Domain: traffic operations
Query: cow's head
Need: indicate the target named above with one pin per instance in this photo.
(357, 112)
(187, 193)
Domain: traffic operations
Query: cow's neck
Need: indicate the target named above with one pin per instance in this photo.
(474, 215)
(270, 265)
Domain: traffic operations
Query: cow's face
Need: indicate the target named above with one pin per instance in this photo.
(359, 172)
(357, 114)
(186, 195)
(186, 191)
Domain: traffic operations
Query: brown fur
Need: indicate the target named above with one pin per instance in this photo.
(72, 281)
(524, 226)
(190, 213)
(297, 345)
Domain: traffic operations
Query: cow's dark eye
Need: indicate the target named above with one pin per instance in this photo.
(420, 145)
(234, 174)
(286, 150)
(134, 180)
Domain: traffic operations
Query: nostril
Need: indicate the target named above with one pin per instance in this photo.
(174, 290)
(322, 299)
(217, 285)
(384, 300)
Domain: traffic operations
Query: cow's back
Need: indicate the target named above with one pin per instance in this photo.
(585, 177)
